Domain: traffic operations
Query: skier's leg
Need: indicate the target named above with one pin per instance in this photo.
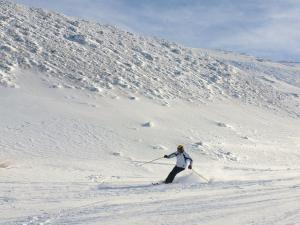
(178, 170)
(172, 174)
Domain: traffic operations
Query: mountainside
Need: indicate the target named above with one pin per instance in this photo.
(101, 58)
(85, 109)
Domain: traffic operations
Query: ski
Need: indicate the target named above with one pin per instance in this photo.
(158, 183)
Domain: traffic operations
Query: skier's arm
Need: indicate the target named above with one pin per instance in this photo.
(170, 156)
(187, 157)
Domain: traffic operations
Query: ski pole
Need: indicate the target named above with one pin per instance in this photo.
(151, 161)
(200, 175)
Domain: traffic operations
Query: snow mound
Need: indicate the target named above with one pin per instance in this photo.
(148, 124)
(4, 164)
(190, 178)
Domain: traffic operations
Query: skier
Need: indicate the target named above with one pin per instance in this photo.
(182, 158)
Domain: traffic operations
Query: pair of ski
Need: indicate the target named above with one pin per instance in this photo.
(158, 183)
(163, 182)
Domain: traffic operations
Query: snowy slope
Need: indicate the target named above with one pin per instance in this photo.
(81, 54)
(69, 157)
(284, 77)
(83, 105)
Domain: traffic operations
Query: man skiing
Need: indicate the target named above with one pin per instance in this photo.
(182, 158)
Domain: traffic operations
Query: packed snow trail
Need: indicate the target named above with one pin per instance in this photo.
(236, 202)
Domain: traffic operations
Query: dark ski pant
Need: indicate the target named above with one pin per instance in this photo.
(173, 173)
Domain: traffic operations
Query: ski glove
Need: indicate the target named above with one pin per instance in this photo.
(166, 156)
(190, 167)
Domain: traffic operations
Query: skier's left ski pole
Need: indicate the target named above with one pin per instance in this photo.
(201, 176)
(151, 161)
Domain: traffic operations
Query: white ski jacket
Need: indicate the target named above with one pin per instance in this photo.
(182, 159)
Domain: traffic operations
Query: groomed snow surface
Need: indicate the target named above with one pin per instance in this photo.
(84, 105)
(71, 157)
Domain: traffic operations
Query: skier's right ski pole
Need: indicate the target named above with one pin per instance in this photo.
(200, 175)
(151, 161)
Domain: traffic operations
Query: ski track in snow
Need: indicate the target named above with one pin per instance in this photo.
(196, 203)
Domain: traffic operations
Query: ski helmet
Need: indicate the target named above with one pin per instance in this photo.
(180, 148)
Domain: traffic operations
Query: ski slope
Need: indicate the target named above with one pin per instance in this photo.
(72, 144)
(74, 158)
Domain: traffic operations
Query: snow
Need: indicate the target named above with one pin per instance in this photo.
(94, 103)
(84, 55)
